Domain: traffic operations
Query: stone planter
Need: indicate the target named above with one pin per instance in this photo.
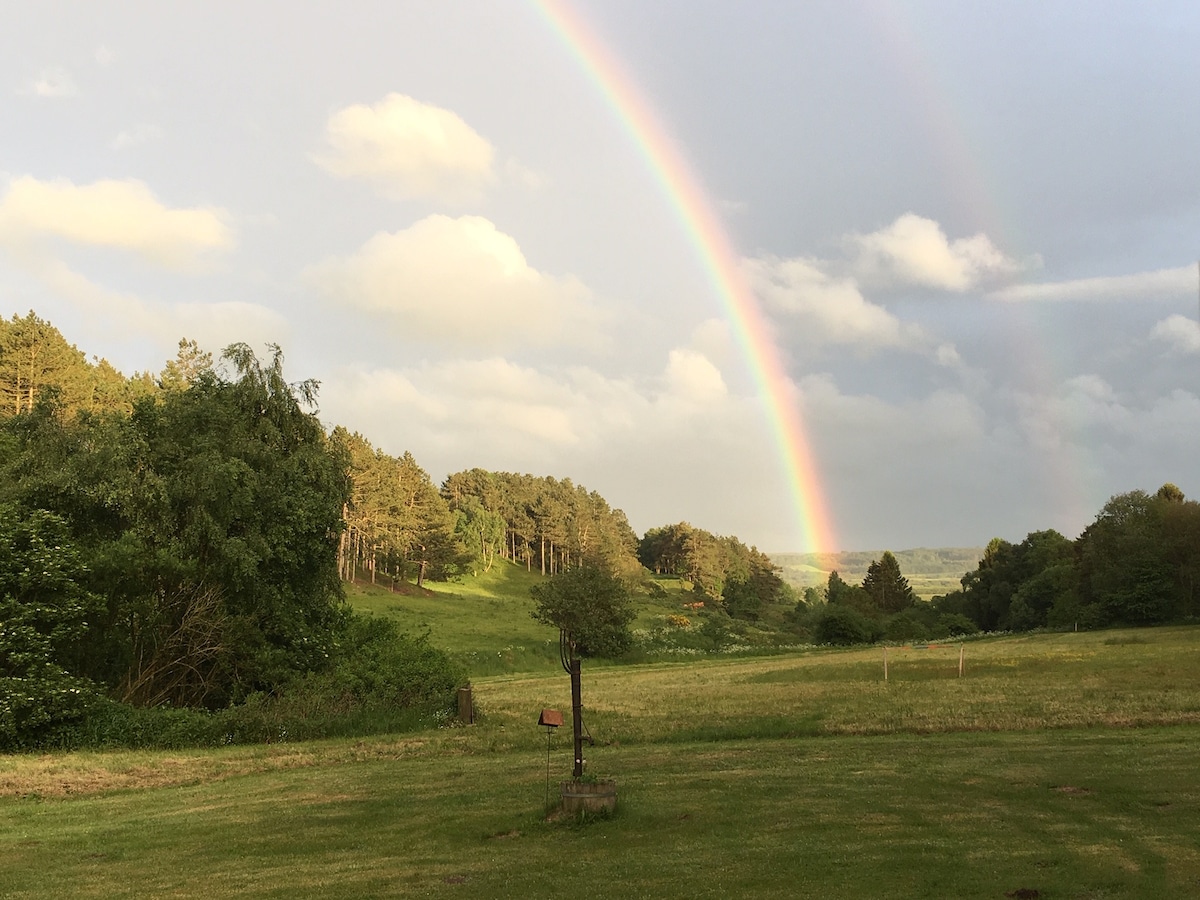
(589, 796)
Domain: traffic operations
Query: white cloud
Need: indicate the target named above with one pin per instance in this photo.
(459, 281)
(693, 378)
(942, 418)
(500, 412)
(104, 56)
(119, 214)
(832, 309)
(1139, 286)
(121, 316)
(714, 339)
(525, 177)
(1180, 332)
(133, 137)
(54, 82)
(497, 407)
(408, 149)
(915, 250)
(1091, 418)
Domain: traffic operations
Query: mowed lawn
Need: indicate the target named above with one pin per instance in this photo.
(1061, 764)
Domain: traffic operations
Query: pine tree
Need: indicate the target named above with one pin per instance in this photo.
(888, 588)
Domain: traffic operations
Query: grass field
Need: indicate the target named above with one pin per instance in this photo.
(1061, 764)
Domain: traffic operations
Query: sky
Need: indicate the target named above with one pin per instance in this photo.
(822, 275)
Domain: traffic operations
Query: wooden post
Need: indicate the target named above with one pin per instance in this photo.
(466, 708)
(961, 651)
(885, 663)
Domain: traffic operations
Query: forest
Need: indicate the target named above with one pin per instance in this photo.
(174, 548)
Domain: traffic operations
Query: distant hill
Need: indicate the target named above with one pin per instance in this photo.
(929, 571)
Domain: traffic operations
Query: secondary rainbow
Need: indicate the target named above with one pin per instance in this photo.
(717, 256)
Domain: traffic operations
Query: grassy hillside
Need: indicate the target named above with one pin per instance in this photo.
(484, 622)
(1059, 764)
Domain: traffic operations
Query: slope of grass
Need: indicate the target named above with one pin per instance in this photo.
(482, 621)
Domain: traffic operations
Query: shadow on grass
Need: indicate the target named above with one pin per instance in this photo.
(748, 728)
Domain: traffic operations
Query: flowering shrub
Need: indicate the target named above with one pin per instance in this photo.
(43, 614)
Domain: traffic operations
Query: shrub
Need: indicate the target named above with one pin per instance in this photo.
(906, 626)
(843, 626)
(956, 624)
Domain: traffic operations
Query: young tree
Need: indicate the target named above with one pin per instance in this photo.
(591, 610)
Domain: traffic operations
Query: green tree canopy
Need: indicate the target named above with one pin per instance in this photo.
(207, 519)
(590, 607)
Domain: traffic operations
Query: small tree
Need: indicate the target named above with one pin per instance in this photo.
(591, 610)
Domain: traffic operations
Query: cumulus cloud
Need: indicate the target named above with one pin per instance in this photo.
(459, 281)
(495, 411)
(123, 316)
(118, 214)
(832, 309)
(133, 137)
(1101, 422)
(713, 339)
(692, 377)
(520, 408)
(54, 82)
(1179, 332)
(915, 250)
(1158, 284)
(942, 418)
(408, 149)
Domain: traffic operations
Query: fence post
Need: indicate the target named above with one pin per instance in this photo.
(466, 707)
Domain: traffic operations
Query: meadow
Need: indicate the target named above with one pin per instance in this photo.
(1057, 766)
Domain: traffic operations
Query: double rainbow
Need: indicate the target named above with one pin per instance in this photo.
(716, 254)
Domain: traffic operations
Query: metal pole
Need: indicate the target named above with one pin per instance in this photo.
(549, 732)
(577, 717)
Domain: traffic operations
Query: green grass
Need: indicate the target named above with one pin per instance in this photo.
(1064, 764)
(483, 622)
(1081, 814)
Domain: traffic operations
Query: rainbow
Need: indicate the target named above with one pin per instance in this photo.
(722, 265)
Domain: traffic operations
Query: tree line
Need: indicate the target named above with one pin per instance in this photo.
(741, 580)
(1138, 563)
(182, 539)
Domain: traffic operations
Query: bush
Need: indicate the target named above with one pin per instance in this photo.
(956, 624)
(842, 626)
(906, 626)
(43, 618)
(380, 680)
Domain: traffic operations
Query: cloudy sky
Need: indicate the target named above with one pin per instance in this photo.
(970, 231)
